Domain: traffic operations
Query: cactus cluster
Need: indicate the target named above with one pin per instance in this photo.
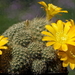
(27, 50)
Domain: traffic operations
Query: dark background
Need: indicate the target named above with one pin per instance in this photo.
(14, 11)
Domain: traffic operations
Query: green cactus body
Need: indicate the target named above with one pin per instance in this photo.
(48, 53)
(22, 38)
(35, 49)
(28, 49)
(20, 59)
(37, 26)
(39, 66)
(10, 32)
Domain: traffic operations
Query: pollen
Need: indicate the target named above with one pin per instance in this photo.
(60, 37)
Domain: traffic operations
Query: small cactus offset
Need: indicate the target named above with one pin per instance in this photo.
(28, 51)
(35, 49)
(20, 59)
(39, 66)
(22, 38)
(48, 53)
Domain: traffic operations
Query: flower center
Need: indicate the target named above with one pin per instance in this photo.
(60, 37)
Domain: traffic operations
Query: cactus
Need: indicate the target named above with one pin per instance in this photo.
(35, 49)
(20, 59)
(48, 53)
(28, 51)
(37, 26)
(39, 66)
(22, 38)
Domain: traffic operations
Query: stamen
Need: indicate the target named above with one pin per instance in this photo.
(60, 37)
(72, 54)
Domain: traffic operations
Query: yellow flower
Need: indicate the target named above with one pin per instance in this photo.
(3, 41)
(71, 22)
(68, 57)
(51, 10)
(59, 35)
(0, 52)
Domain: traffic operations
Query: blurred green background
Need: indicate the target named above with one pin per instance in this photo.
(14, 11)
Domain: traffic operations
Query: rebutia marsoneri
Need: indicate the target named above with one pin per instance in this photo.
(27, 50)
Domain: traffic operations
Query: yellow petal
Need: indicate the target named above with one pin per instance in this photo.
(65, 64)
(66, 28)
(47, 33)
(72, 66)
(63, 55)
(46, 38)
(3, 41)
(51, 7)
(57, 46)
(60, 25)
(49, 43)
(49, 28)
(60, 53)
(3, 47)
(1, 37)
(5, 38)
(58, 9)
(72, 39)
(0, 52)
(48, 16)
(71, 43)
(54, 25)
(64, 47)
(72, 21)
(43, 3)
(71, 32)
(64, 11)
(64, 58)
(68, 23)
